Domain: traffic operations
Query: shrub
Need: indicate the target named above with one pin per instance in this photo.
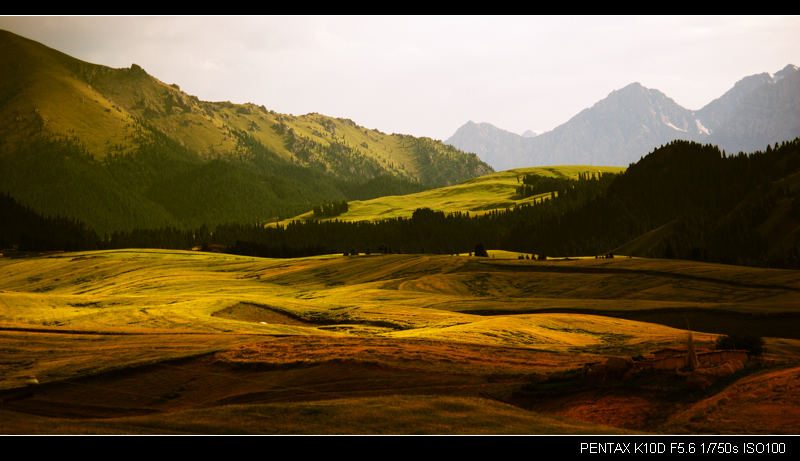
(754, 345)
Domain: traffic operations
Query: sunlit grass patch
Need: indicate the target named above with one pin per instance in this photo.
(475, 196)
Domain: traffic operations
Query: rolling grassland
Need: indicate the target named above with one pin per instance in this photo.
(156, 341)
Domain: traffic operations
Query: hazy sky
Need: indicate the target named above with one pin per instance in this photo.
(428, 75)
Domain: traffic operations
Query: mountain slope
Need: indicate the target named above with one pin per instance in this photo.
(759, 110)
(118, 149)
(630, 122)
(691, 202)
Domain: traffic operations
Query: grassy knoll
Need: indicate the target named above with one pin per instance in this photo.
(156, 341)
(764, 403)
(495, 191)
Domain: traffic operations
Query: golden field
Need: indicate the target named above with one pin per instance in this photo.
(158, 341)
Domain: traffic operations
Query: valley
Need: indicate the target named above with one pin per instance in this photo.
(176, 266)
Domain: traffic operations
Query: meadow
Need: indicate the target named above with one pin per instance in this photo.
(158, 341)
(487, 193)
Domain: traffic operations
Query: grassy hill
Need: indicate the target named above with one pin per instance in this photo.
(117, 148)
(487, 193)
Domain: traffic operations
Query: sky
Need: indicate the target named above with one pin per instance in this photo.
(428, 75)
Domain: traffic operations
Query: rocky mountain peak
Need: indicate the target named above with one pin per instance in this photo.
(759, 109)
(787, 71)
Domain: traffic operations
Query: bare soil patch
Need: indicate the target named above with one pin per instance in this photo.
(250, 312)
(287, 369)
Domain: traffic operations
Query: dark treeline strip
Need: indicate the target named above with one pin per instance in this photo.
(25, 230)
(533, 184)
(330, 209)
(379, 186)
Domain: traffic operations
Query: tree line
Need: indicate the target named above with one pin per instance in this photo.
(330, 209)
(587, 182)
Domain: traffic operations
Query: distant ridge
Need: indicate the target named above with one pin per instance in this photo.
(759, 110)
(493, 145)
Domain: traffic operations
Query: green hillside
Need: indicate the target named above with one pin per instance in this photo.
(492, 192)
(119, 149)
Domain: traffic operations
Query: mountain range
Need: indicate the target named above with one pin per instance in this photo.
(759, 110)
(119, 149)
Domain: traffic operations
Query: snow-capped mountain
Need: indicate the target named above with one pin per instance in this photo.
(759, 110)
(630, 122)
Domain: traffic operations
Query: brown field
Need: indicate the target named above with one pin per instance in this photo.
(172, 342)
